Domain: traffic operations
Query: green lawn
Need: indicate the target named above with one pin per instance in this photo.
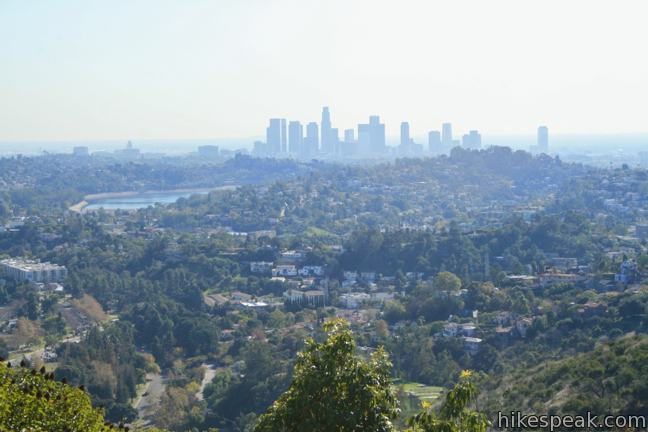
(422, 391)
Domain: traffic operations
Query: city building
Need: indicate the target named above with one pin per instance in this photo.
(335, 140)
(404, 134)
(349, 145)
(295, 137)
(542, 143)
(434, 141)
(33, 271)
(371, 136)
(446, 135)
(283, 136)
(274, 136)
(472, 140)
(543, 139)
(349, 136)
(328, 146)
(311, 142)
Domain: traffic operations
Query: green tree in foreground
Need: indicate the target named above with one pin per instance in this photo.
(334, 389)
(454, 415)
(33, 401)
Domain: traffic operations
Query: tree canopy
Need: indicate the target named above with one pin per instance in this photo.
(33, 401)
(335, 389)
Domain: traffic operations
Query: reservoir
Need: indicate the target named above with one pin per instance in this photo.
(138, 200)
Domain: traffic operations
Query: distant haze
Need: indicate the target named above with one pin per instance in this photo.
(78, 70)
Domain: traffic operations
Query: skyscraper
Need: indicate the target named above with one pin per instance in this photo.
(274, 136)
(295, 138)
(434, 141)
(349, 135)
(371, 136)
(543, 139)
(335, 141)
(327, 144)
(471, 140)
(311, 142)
(283, 136)
(404, 134)
(446, 134)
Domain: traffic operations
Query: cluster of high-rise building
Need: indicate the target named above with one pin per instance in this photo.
(290, 139)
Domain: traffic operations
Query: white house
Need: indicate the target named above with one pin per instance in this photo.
(354, 300)
(311, 271)
(261, 267)
(292, 256)
(284, 270)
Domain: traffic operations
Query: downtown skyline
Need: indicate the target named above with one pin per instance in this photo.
(311, 140)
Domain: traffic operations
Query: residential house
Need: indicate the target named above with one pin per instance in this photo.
(285, 270)
(261, 267)
(240, 296)
(472, 345)
(522, 325)
(354, 300)
(312, 270)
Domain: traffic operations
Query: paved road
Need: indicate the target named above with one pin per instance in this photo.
(145, 404)
(210, 373)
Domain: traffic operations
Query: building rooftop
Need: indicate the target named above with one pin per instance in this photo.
(29, 265)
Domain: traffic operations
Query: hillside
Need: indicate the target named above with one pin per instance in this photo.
(612, 378)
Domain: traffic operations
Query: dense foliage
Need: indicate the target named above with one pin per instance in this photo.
(333, 389)
(33, 401)
(519, 253)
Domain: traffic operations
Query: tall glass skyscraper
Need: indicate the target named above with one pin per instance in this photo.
(543, 139)
(328, 146)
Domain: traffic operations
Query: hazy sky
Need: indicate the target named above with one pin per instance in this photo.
(85, 69)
